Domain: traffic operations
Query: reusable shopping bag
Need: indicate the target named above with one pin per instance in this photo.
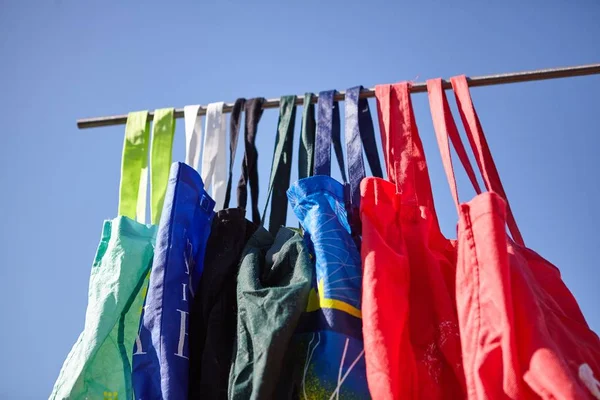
(410, 326)
(330, 331)
(99, 364)
(272, 289)
(523, 335)
(213, 315)
(161, 355)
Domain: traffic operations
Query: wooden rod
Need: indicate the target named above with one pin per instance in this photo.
(486, 80)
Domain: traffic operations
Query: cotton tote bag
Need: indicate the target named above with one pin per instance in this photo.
(522, 332)
(273, 284)
(410, 325)
(330, 330)
(99, 364)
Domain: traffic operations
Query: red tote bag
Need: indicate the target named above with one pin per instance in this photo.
(522, 333)
(410, 325)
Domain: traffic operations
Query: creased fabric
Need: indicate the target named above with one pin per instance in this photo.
(272, 291)
(213, 315)
(161, 353)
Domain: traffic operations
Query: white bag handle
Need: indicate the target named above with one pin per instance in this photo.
(214, 159)
(193, 135)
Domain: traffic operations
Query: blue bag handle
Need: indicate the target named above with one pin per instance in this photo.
(328, 130)
(359, 128)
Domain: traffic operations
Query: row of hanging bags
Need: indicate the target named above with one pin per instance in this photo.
(330, 331)
(99, 364)
(522, 332)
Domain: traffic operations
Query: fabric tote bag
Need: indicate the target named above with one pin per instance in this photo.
(213, 314)
(330, 330)
(273, 281)
(522, 332)
(161, 358)
(410, 325)
(99, 364)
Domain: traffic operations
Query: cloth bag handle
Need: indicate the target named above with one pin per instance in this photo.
(234, 133)
(253, 109)
(163, 132)
(480, 147)
(134, 165)
(359, 133)
(445, 127)
(281, 166)
(214, 158)
(402, 147)
(328, 130)
(193, 135)
(306, 153)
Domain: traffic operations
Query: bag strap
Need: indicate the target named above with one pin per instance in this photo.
(306, 154)
(281, 167)
(359, 134)
(253, 109)
(234, 132)
(134, 167)
(403, 150)
(480, 147)
(328, 130)
(445, 127)
(444, 123)
(214, 159)
(193, 135)
(163, 132)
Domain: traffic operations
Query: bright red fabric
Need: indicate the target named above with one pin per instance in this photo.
(410, 326)
(523, 335)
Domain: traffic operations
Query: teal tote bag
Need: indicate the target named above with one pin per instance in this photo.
(99, 364)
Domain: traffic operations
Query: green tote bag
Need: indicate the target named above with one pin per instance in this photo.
(99, 364)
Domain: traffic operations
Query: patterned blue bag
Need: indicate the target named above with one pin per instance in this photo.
(331, 328)
(161, 353)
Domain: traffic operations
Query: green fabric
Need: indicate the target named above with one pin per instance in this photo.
(162, 155)
(281, 166)
(306, 153)
(134, 166)
(99, 364)
(272, 292)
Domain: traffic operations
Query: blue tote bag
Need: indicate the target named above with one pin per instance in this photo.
(331, 328)
(161, 353)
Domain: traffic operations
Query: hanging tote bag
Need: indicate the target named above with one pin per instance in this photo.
(161, 355)
(523, 334)
(213, 314)
(99, 364)
(410, 325)
(331, 327)
(272, 286)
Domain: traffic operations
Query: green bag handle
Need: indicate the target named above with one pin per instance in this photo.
(134, 164)
(163, 133)
(281, 167)
(306, 154)
(134, 167)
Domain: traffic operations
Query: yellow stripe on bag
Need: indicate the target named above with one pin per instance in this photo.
(316, 302)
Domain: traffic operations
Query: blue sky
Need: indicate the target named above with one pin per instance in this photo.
(63, 60)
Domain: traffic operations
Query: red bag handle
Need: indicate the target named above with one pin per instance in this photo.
(442, 119)
(480, 147)
(402, 148)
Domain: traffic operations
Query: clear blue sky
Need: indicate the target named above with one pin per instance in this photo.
(63, 60)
